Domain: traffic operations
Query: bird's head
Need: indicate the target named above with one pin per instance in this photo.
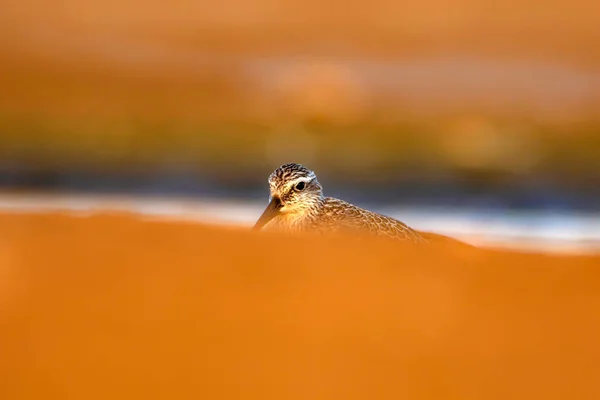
(294, 190)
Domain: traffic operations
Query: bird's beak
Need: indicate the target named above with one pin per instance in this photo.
(270, 212)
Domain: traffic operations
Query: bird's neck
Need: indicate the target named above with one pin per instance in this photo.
(306, 215)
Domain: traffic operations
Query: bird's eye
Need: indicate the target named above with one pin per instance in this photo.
(300, 186)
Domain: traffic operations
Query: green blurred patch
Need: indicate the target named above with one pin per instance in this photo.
(463, 144)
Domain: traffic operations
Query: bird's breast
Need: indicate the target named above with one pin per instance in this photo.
(288, 222)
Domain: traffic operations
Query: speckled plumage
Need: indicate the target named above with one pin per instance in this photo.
(297, 204)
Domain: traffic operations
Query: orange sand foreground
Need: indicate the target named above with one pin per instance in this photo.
(109, 307)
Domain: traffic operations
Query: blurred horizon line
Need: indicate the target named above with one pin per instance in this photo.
(528, 231)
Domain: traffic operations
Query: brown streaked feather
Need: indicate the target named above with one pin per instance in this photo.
(348, 217)
(308, 210)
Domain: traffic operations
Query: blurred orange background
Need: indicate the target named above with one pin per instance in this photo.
(468, 89)
(467, 117)
(112, 307)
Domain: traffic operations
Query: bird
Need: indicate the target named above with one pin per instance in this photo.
(297, 204)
